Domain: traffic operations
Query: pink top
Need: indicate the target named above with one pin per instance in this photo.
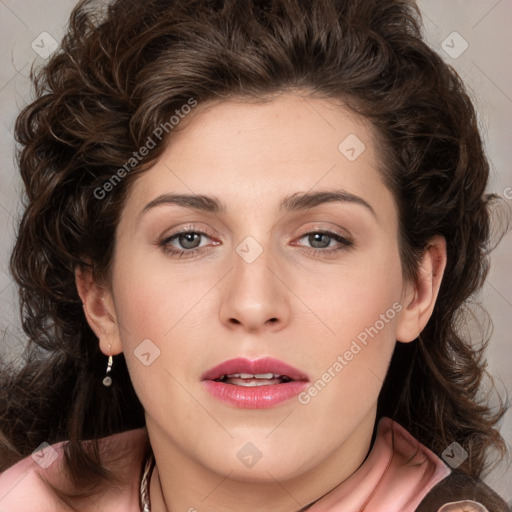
(395, 477)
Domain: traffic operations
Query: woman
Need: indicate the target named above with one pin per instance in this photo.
(250, 232)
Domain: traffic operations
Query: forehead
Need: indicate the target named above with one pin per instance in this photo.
(262, 151)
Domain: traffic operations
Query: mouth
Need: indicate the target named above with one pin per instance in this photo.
(266, 371)
(256, 384)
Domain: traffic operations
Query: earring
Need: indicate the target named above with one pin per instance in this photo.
(107, 380)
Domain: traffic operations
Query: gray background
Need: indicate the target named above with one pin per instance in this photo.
(484, 26)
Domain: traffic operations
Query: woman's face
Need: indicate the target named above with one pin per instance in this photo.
(275, 266)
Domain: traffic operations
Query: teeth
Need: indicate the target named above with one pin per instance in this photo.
(249, 379)
(253, 384)
(251, 376)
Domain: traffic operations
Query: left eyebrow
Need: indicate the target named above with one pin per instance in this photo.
(295, 202)
(308, 200)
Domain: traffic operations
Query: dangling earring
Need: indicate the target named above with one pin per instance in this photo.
(107, 380)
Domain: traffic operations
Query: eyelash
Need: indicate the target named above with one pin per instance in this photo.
(345, 243)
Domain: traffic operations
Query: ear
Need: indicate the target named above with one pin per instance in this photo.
(420, 296)
(99, 311)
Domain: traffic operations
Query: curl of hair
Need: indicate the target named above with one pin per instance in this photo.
(119, 75)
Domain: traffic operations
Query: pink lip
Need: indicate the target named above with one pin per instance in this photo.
(259, 397)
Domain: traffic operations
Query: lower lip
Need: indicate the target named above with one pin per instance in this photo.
(256, 397)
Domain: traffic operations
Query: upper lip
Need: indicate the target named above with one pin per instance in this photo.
(254, 367)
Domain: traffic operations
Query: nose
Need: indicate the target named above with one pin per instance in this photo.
(255, 296)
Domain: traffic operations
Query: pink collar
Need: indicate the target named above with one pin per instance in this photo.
(395, 477)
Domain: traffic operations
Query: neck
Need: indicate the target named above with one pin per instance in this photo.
(179, 483)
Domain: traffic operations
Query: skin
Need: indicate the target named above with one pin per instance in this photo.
(292, 303)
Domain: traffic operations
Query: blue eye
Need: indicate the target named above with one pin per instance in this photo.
(321, 242)
(190, 242)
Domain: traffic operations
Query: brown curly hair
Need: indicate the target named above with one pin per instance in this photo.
(123, 72)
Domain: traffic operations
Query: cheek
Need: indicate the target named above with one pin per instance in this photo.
(151, 301)
(350, 364)
(161, 317)
(362, 295)
(359, 308)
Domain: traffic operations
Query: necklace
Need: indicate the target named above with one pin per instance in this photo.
(145, 501)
